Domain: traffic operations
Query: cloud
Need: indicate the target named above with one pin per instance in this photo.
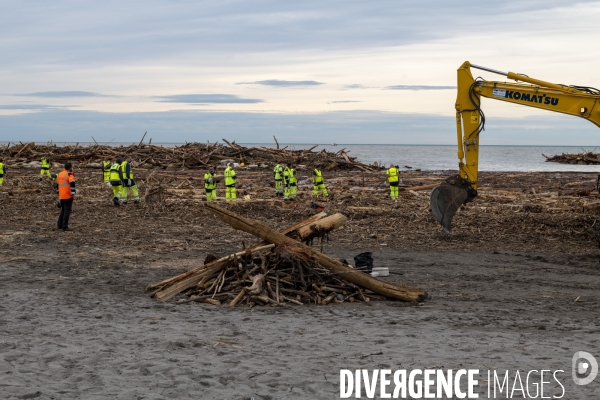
(38, 107)
(207, 99)
(354, 86)
(59, 33)
(280, 83)
(418, 87)
(343, 101)
(62, 94)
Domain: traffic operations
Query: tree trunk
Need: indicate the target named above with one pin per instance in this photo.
(403, 293)
(307, 221)
(318, 228)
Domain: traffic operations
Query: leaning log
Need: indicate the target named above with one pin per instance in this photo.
(404, 293)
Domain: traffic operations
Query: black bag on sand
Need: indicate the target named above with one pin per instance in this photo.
(364, 262)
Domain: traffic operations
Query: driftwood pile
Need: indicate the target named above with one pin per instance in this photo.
(277, 273)
(584, 158)
(190, 155)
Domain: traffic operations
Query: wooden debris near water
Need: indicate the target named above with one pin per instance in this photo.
(584, 158)
(189, 155)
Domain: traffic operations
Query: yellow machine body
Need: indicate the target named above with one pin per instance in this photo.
(578, 101)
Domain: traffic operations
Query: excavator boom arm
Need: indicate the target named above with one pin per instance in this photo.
(578, 101)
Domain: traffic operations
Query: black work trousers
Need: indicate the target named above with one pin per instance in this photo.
(65, 213)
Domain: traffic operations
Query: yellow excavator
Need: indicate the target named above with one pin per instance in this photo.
(457, 190)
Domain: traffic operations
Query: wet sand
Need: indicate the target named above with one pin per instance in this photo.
(83, 328)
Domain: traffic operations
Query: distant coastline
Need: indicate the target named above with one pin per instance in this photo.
(429, 157)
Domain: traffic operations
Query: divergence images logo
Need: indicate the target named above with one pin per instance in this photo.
(585, 368)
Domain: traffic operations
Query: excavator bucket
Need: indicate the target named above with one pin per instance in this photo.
(445, 200)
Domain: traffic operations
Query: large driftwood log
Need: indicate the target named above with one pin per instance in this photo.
(318, 228)
(306, 222)
(388, 290)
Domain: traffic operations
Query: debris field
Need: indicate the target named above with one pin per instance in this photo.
(514, 211)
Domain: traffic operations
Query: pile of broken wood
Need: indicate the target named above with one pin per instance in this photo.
(190, 155)
(584, 158)
(279, 271)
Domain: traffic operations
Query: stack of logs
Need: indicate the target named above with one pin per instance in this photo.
(279, 271)
(190, 155)
(585, 158)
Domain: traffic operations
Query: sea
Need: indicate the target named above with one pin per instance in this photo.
(442, 157)
(436, 157)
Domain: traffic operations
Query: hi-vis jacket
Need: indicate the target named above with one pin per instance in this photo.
(278, 172)
(66, 185)
(392, 175)
(317, 177)
(289, 176)
(126, 171)
(45, 163)
(229, 177)
(209, 183)
(115, 175)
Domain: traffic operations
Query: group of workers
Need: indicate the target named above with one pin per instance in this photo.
(119, 176)
(211, 180)
(286, 182)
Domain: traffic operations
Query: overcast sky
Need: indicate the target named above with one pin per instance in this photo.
(323, 71)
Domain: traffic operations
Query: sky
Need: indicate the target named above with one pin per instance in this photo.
(377, 71)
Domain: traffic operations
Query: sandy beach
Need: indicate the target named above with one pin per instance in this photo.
(76, 323)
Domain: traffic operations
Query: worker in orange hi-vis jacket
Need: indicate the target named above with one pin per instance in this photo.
(66, 194)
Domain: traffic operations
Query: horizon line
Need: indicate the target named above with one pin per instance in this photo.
(291, 144)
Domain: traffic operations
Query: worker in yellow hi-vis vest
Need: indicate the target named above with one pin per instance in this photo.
(2, 172)
(45, 170)
(392, 177)
(106, 171)
(128, 183)
(230, 178)
(290, 181)
(210, 185)
(278, 176)
(115, 181)
(318, 183)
